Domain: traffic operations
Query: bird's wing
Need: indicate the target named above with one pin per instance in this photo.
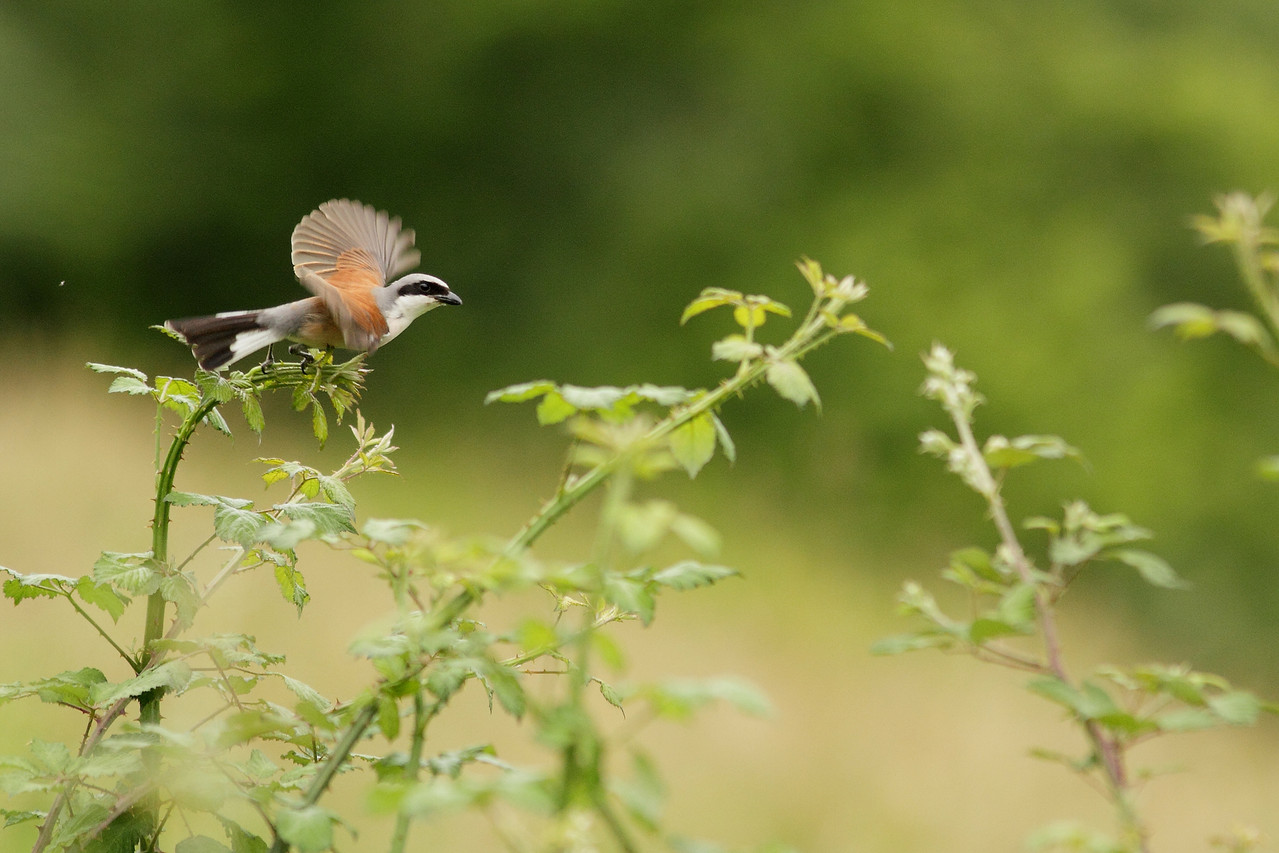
(342, 253)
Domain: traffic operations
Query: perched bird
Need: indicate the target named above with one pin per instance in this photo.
(344, 253)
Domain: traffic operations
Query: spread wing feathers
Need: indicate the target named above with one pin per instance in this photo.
(342, 253)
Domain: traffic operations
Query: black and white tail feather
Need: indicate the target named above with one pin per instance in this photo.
(220, 339)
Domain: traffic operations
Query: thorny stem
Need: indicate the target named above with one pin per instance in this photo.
(1106, 747)
(810, 335)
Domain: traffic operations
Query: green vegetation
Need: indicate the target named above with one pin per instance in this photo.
(263, 769)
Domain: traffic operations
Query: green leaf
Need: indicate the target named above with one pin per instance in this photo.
(641, 527)
(135, 574)
(1268, 468)
(102, 596)
(726, 444)
(502, 682)
(22, 587)
(1236, 707)
(711, 297)
(693, 444)
(699, 536)
(690, 575)
(329, 519)
(1189, 320)
(253, 412)
(900, 643)
(985, 628)
(1153, 569)
(1001, 452)
(553, 409)
(110, 368)
(391, 531)
(319, 423)
(735, 348)
(610, 694)
(69, 688)
(129, 385)
(308, 828)
(630, 596)
(792, 382)
(1187, 720)
(388, 717)
(172, 675)
(13, 818)
(520, 393)
(292, 586)
(179, 588)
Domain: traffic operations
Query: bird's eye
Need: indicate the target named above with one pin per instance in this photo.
(435, 288)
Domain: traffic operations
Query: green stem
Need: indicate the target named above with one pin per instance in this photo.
(136, 665)
(154, 628)
(421, 716)
(809, 336)
(329, 769)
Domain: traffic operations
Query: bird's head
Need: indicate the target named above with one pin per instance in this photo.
(416, 294)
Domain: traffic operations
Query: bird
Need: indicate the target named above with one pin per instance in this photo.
(344, 253)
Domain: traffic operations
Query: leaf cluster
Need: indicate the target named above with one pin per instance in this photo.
(1013, 595)
(263, 756)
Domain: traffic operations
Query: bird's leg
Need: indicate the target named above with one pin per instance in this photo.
(269, 363)
(303, 352)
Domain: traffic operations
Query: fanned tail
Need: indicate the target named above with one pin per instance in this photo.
(220, 339)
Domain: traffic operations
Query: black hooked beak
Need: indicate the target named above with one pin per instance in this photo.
(449, 299)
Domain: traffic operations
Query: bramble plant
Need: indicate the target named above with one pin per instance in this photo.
(260, 770)
(1015, 596)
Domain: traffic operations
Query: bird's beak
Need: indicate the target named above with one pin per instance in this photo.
(449, 299)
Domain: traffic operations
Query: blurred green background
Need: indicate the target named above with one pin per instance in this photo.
(1013, 179)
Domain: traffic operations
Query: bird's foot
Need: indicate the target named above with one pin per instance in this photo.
(268, 364)
(303, 352)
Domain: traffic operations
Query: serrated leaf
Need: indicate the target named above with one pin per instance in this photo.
(111, 368)
(307, 828)
(327, 518)
(1152, 568)
(388, 717)
(128, 385)
(1187, 720)
(292, 586)
(21, 587)
(319, 423)
(179, 589)
(252, 410)
(391, 531)
(1002, 452)
(240, 526)
(306, 692)
(735, 348)
(610, 694)
(691, 575)
(1236, 707)
(172, 675)
(631, 596)
(520, 393)
(1189, 320)
(791, 382)
(135, 574)
(554, 409)
(711, 297)
(693, 444)
(900, 643)
(727, 447)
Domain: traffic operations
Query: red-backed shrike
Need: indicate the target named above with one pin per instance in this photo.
(344, 253)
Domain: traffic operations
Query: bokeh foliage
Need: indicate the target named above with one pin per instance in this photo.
(1013, 178)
